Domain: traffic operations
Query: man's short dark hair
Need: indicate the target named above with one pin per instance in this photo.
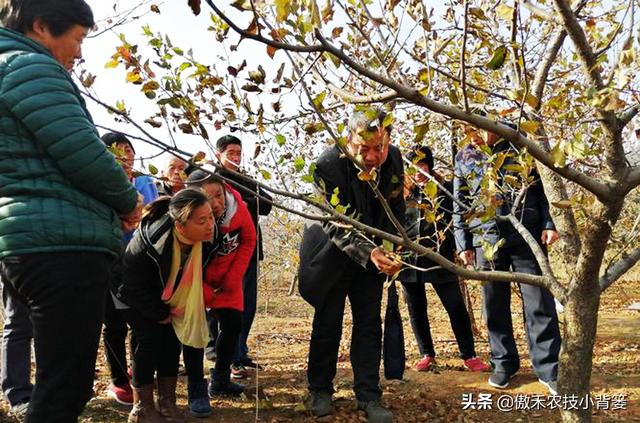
(422, 154)
(225, 141)
(58, 15)
(111, 138)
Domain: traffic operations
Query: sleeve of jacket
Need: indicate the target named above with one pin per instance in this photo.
(351, 243)
(396, 200)
(41, 95)
(462, 234)
(542, 202)
(243, 254)
(139, 278)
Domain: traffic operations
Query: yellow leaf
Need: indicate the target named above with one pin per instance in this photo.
(558, 155)
(562, 204)
(529, 126)
(111, 64)
(505, 12)
(133, 77)
(283, 9)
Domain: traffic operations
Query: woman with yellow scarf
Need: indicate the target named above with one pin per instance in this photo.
(162, 286)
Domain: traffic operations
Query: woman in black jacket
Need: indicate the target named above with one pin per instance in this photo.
(167, 254)
(428, 217)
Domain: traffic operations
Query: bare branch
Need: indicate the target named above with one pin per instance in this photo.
(579, 38)
(260, 38)
(541, 13)
(540, 256)
(615, 271)
(628, 116)
(540, 80)
(463, 66)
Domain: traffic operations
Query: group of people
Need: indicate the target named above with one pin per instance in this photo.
(173, 261)
(336, 263)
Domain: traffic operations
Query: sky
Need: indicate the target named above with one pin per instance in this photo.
(186, 31)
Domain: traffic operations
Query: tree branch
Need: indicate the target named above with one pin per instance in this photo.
(260, 38)
(619, 268)
(541, 13)
(598, 188)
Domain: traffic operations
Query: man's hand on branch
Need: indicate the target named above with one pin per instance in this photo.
(468, 257)
(549, 236)
(384, 261)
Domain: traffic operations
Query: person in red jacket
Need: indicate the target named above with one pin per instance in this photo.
(223, 280)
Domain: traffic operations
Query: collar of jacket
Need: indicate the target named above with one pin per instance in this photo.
(157, 234)
(27, 43)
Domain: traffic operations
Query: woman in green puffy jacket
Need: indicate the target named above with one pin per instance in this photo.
(64, 200)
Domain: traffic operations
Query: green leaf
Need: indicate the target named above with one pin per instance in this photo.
(388, 120)
(430, 189)
(265, 174)
(153, 170)
(498, 58)
(319, 99)
(387, 245)
(281, 140)
(299, 163)
(335, 199)
(420, 131)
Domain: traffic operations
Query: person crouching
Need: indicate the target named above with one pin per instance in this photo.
(163, 266)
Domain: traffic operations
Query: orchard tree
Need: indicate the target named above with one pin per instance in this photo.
(562, 74)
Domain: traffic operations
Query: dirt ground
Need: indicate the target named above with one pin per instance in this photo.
(280, 343)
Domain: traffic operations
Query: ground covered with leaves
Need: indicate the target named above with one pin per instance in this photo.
(280, 343)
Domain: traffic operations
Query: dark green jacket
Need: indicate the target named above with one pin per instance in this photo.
(60, 189)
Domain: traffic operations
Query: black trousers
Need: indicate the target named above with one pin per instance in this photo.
(230, 322)
(114, 336)
(157, 349)
(65, 293)
(364, 289)
(451, 298)
(540, 316)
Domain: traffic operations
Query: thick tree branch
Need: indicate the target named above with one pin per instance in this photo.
(614, 151)
(619, 268)
(579, 38)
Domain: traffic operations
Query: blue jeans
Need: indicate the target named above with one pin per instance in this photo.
(16, 349)
(65, 293)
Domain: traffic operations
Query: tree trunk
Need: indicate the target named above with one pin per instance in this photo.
(581, 314)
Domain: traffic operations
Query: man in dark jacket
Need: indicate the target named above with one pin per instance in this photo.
(336, 263)
(229, 153)
(478, 236)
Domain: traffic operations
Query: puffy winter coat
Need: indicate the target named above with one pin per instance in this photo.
(60, 189)
(223, 276)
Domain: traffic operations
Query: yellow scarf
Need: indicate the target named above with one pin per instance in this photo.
(187, 302)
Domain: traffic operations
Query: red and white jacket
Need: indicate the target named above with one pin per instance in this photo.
(223, 275)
